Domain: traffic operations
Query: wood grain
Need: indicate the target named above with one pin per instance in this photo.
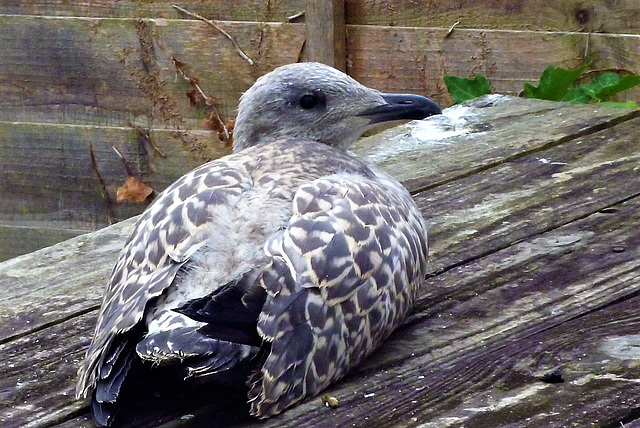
(22, 239)
(240, 10)
(110, 72)
(600, 16)
(500, 128)
(325, 33)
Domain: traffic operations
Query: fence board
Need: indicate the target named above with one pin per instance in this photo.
(620, 16)
(239, 10)
(113, 71)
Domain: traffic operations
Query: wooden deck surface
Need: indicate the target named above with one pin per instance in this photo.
(530, 315)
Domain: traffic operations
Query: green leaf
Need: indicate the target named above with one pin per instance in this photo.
(627, 104)
(611, 85)
(578, 96)
(554, 83)
(602, 87)
(462, 89)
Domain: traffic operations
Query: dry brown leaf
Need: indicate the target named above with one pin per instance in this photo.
(230, 125)
(133, 190)
(177, 62)
(194, 97)
(213, 122)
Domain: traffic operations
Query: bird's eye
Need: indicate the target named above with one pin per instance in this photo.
(308, 101)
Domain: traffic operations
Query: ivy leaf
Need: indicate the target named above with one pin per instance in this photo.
(554, 83)
(602, 87)
(462, 89)
(612, 85)
(578, 96)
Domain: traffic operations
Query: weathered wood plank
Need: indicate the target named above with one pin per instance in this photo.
(325, 33)
(125, 72)
(492, 209)
(241, 10)
(45, 287)
(53, 358)
(110, 72)
(18, 240)
(396, 59)
(563, 15)
(46, 172)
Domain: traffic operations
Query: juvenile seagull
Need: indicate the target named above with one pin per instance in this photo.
(290, 256)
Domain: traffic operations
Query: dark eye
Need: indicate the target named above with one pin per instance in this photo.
(308, 101)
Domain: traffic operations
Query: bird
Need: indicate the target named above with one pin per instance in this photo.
(290, 258)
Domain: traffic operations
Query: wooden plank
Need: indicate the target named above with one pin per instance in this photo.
(403, 59)
(52, 367)
(110, 72)
(46, 172)
(490, 210)
(325, 33)
(54, 288)
(600, 16)
(563, 15)
(18, 240)
(242, 10)
(465, 227)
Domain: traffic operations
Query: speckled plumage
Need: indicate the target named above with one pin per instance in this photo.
(291, 244)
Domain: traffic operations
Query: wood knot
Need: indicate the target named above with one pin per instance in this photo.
(582, 15)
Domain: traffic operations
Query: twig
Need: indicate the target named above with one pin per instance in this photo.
(210, 101)
(101, 185)
(214, 25)
(146, 138)
(124, 161)
(451, 29)
(607, 69)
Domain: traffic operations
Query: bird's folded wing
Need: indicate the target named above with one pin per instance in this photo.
(166, 235)
(344, 273)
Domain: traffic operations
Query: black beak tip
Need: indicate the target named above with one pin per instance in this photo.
(403, 107)
(417, 107)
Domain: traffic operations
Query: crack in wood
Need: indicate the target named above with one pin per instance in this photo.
(49, 324)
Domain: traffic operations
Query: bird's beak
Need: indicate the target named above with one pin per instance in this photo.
(402, 107)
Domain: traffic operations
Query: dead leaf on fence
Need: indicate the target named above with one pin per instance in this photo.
(230, 125)
(194, 97)
(133, 190)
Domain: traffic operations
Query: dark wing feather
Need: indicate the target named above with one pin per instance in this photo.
(231, 312)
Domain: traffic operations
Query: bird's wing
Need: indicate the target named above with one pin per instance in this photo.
(174, 227)
(344, 274)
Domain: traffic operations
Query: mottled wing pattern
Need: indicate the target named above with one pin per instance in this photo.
(344, 274)
(165, 236)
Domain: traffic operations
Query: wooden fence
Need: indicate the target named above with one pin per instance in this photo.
(103, 73)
